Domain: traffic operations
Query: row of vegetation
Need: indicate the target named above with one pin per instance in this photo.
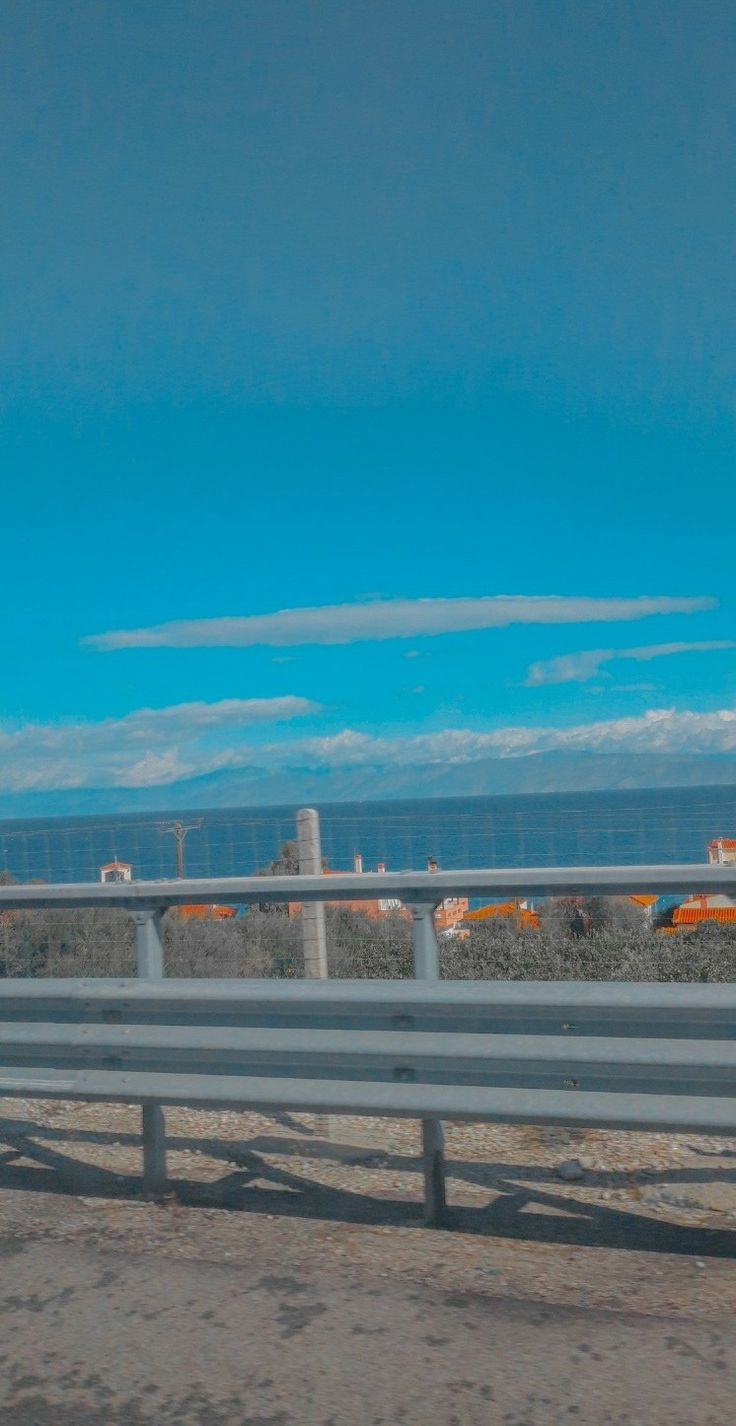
(266, 942)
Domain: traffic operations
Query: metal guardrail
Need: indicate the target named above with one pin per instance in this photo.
(627, 1056)
(411, 887)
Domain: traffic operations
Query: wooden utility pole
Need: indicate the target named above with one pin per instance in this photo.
(179, 831)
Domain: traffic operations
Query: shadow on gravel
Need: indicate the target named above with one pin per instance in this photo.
(523, 1204)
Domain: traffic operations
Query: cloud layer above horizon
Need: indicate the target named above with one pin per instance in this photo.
(579, 667)
(146, 748)
(160, 747)
(391, 619)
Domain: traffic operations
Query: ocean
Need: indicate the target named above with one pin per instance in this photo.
(595, 828)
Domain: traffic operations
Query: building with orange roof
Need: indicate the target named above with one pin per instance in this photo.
(698, 909)
(450, 913)
(203, 912)
(722, 851)
(116, 871)
(519, 911)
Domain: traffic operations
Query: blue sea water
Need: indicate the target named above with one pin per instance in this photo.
(594, 828)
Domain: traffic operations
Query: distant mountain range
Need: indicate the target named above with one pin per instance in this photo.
(540, 772)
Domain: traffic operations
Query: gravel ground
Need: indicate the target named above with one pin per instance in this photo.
(651, 1218)
(287, 1280)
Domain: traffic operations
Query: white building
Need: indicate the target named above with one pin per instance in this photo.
(722, 851)
(116, 871)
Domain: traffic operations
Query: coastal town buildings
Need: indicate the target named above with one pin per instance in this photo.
(447, 917)
(117, 871)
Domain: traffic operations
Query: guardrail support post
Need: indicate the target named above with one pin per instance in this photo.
(150, 953)
(426, 967)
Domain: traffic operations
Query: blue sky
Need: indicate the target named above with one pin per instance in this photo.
(306, 306)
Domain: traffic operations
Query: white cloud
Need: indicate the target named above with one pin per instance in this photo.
(391, 619)
(577, 668)
(149, 747)
(155, 770)
(660, 730)
(159, 747)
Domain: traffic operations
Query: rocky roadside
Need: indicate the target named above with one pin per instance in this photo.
(582, 1218)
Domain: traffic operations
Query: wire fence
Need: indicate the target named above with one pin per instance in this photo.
(674, 825)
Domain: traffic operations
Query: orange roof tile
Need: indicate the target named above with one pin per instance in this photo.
(498, 908)
(690, 915)
(203, 912)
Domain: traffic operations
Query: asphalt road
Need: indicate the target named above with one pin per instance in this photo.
(93, 1337)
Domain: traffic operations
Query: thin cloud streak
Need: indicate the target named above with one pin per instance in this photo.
(391, 619)
(578, 668)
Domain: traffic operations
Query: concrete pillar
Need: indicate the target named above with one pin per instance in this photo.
(313, 912)
(150, 955)
(314, 938)
(426, 967)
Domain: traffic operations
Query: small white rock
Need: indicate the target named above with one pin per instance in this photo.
(570, 1170)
